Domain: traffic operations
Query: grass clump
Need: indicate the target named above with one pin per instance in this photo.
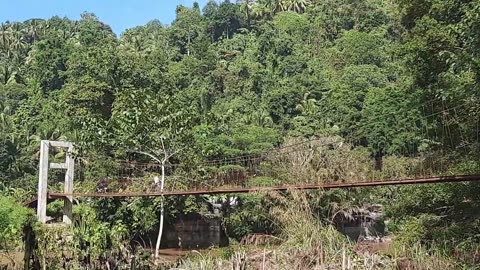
(309, 243)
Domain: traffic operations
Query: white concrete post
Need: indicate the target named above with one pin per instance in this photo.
(42, 182)
(43, 179)
(68, 186)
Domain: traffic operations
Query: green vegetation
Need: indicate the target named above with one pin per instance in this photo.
(12, 218)
(307, 243)
(395, 81)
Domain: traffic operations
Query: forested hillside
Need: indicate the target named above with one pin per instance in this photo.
(231, 79)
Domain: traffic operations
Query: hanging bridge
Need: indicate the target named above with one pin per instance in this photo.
(431, 180)
(326, 163)
(442, 146)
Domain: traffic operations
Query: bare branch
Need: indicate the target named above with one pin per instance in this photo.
(147, 154)
(171, 155)
(162, 161)
(163, 147)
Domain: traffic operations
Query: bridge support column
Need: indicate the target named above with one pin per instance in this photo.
(68, 187)
(43, 179)
(42, 183)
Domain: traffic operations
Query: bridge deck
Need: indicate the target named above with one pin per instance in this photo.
(430, 180)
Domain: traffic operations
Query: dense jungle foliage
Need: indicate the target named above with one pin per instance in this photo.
(234, 78)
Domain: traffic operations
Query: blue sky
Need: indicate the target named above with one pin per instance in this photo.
(119, 14)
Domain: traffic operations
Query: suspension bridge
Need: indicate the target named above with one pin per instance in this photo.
(431, 180)
(443, 147)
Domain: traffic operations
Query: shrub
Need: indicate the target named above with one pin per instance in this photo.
(414, 230)
(13, 217)
(263, 181)
(252, 217)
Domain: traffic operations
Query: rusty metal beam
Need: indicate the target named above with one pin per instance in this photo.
(430, 180)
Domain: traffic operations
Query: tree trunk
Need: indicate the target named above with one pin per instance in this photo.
(247, 9)
(160, 229)
(29, 246)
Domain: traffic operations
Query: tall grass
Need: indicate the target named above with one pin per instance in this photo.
(309, 244)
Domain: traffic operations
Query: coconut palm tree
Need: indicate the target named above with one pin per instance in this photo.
(4, 117)
(33, 29)
(307, 105)
(258, 10)
(5, 37)
(4, 72)
(18, 41)
(13, 50)
(259, 118)
(265, 8)
(295, 5)
(246, 7)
